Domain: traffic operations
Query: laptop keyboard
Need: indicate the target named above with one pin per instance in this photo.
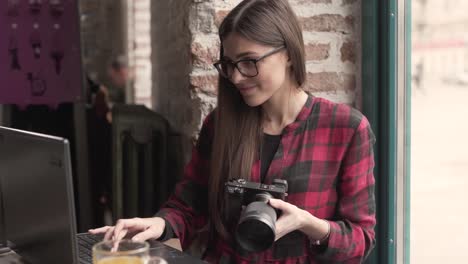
(86, 242)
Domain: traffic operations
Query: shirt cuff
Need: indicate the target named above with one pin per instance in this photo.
(168, 232)
(323, 249)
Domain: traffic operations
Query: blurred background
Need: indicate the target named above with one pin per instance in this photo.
(439, 129)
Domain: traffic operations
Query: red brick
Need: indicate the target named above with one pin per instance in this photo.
(204, 56)
(348, 51)
(317, 51)
(205, 83)
(330, 81)
(328, 23)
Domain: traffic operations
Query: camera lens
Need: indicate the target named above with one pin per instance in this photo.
(256, 229)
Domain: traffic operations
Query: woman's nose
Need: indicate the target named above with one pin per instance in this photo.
(236, 76)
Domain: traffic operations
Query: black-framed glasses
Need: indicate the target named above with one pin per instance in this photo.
(246, 67)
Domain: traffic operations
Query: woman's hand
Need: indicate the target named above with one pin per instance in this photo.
(292, 218)
(141, 228)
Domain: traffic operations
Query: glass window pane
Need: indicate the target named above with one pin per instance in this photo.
(439, 136)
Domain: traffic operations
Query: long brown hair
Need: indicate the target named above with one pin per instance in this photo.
(238, 126)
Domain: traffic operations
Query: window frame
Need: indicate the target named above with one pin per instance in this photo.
(386, 38)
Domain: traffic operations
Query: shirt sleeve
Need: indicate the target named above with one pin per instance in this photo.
(168, 232)
(186, 209)
(352, 234)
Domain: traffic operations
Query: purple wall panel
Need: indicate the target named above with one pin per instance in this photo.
(40, 58)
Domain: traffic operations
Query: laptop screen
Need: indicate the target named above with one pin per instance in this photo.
(36, 185)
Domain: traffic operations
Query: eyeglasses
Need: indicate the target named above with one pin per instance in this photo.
(246, 67)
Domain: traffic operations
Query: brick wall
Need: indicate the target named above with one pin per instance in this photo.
(332, 38)
(174, 43)
(171, 62)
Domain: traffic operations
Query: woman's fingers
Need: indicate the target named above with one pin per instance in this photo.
(117, 238)
(279, 204)
(109, 233)
(120, 235)
(145, 228)
(99, 230)
(123, 225)
(155, 229)
(149, 233)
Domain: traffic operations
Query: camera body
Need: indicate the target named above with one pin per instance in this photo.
(255, 230)
(248, 191)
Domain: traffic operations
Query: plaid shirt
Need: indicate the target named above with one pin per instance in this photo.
(326, 156)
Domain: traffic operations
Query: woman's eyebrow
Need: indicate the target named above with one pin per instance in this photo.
(240, 55)
(245, 54)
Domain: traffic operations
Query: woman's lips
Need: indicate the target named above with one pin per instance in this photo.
(246, 89)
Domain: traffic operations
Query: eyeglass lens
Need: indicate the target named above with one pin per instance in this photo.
(246, 68)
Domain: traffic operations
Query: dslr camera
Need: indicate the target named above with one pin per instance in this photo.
(256, 227)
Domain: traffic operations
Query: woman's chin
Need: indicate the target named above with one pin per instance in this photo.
(252, 101)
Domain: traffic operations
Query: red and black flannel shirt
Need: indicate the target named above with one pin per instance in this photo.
(326, 156)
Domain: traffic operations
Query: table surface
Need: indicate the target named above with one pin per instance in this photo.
(172, 255)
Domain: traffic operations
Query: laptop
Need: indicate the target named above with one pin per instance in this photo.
(36, 194)
(38, 203)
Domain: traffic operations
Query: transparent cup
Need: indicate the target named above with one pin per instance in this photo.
(156, 260)
(124, 252)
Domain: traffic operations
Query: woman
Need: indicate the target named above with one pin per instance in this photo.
(266, 127)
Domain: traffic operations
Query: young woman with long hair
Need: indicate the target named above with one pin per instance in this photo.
(266, 127)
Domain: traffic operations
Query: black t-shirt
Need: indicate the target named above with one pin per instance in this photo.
(268, 149)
